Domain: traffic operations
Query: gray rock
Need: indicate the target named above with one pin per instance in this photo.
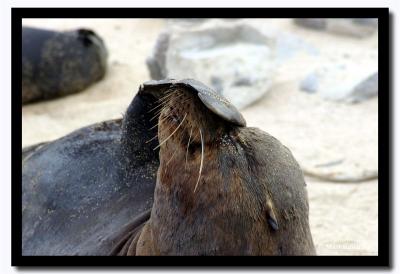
(310, 83)
(365, 90)
(356, 27)
(342, 82)
(156, 63)
(312, 23)
(234, 58)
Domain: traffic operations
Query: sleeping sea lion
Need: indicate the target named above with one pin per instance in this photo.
(57, 63)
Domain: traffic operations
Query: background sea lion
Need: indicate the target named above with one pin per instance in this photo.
(222, 188)
(60, 63)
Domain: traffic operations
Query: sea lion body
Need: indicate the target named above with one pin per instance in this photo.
(80, 192)
(60, 63)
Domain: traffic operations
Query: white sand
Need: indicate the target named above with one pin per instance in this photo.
(343, 216)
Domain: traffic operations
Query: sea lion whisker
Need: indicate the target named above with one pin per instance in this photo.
(168, 94)
(148, 141)
(201, 160)
(161, 101)
(169, 161)
(187, 148)
(154, 108)
(169, 97)
(165, 129)
(162, 120)
(171, 133)
(157, 114)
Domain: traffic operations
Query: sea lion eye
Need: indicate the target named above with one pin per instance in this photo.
(175, 119)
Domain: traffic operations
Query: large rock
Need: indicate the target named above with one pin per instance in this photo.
(357, 27)
(235, 59)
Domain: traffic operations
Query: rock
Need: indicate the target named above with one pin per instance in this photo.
(156, 63)
(312, 23)
(234, 58)
(310, 83)
(342, 82)
(365, 90)
(55, 63)
(185, 22)
(356, 27)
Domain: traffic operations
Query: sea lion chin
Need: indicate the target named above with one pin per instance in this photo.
(222, 188)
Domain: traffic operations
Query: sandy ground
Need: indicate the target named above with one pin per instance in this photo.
(343, 216)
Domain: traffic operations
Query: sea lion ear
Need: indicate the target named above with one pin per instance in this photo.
(273, 223)
(271, 218)
(216, 103)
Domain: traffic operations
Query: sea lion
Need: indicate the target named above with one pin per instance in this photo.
(60, 63)
(222, 188)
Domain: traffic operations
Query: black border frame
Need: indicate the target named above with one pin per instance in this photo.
(384, 247)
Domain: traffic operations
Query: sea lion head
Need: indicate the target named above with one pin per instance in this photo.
(191, 107)
(216, 178)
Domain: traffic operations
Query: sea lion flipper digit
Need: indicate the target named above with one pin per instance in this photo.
(129, 234)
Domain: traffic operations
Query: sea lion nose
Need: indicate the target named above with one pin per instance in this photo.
(88, 37)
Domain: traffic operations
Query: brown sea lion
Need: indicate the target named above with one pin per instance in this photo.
(222, 188)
